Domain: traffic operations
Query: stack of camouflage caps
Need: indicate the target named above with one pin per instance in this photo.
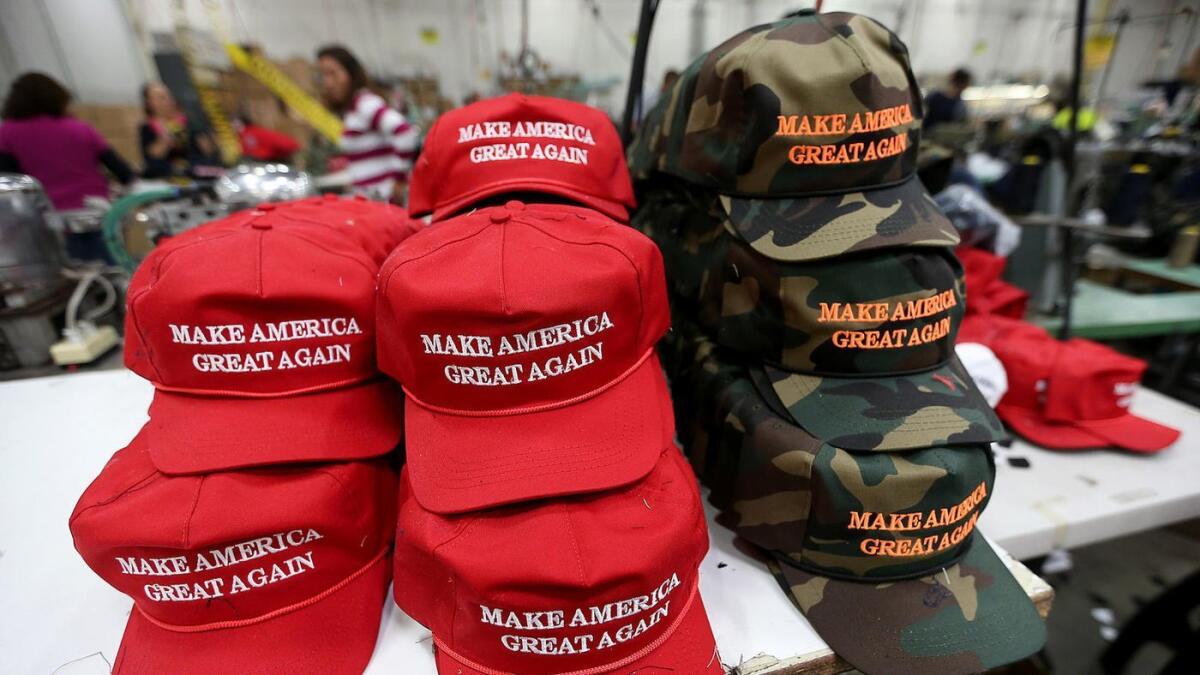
(815, 300)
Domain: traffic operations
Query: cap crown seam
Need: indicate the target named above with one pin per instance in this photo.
(636, 270)
(393, 264)
(583, 579)
(259, 271)
(155, 274)
(139, 484)
(295, 234)
(187, 522)
(503, 287)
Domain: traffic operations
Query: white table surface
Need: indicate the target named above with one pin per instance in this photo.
(1071, 499)
(59, 617)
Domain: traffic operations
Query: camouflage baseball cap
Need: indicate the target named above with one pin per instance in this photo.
(809, 128)
(878, 550)
(688, 226)
(859, 349)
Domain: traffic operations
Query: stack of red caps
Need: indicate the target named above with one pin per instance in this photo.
(548, 522)
(1074, 395)
(251, 519)
(521, 144)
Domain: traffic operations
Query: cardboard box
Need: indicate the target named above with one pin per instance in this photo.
(118, 124)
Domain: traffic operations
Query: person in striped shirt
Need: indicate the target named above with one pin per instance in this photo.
(377, 142)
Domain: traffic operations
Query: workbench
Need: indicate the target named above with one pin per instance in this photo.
(1066, 499)
(1102, 312)
(1157, 272)
(61, 618)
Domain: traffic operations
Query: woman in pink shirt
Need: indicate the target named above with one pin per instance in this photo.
(65, 154)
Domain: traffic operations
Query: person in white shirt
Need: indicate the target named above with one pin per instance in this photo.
(378, 143)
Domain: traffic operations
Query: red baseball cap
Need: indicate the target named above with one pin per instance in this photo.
(524, 339)
(991, 329)
(375, 226)
(1075, 395)
(595, 583)
(520, 143)
(252, 571)
(258, 333)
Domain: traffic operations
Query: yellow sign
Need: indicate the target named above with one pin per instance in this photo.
(1097, 49)
(310, 109)
(430, 36)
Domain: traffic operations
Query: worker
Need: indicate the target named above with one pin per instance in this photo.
(40, 138)
(171, 146)
(947, 105)
(377, 143)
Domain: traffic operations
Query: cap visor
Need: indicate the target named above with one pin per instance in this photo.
(821, 227)
(334, 635)
(1127, 432)
(1131, 432)
(459, 463)
(689, 648)
(197, 434)
(966, 618)
(612, 209)
(900, 412)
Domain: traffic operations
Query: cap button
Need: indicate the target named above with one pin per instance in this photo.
(329, 197)
(261, 225)
(500, 217)
(264, 207)
(514, 205)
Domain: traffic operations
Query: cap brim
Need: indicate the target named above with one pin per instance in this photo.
(821, 227)
(612, 209)
(459, 463)
(690, 648)
(900, 412)
(198, 434)
(334, 635)
(966, 618)
(1127, 432)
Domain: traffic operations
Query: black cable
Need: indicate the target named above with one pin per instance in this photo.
(1068, 264)
(613, 38)
(637, 73)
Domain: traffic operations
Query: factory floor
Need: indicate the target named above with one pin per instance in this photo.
(1107, 584)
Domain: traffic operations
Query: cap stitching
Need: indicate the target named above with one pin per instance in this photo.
(297, 234)
(574, 544)
(639, 654)
(139, 484)
(230, 393)
(187, 522)
(237, 623)
(503, 288)
(861, 61)
(260, 263)
(636, 270)
(156, 274)
(504, 412)
(394, 263)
